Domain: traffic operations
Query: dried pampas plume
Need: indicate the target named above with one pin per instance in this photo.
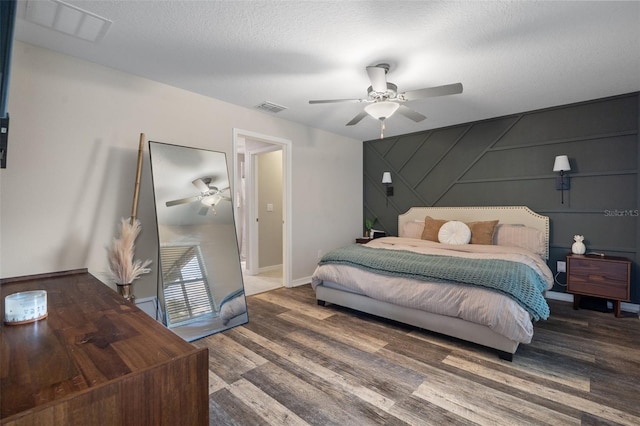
(121, 263)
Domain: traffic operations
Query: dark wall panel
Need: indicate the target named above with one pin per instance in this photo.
(515, 192)
(574, 121)
(397, 158)
(602, 193)
(434, 146)
(463, 153)
(606, 234)
(509, 161)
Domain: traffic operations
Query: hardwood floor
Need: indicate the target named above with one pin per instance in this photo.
(296, 363)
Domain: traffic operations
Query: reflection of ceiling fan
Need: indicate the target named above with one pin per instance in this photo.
(384, 99)
(209, 196)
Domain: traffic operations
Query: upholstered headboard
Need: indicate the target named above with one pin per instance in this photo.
(507, 215)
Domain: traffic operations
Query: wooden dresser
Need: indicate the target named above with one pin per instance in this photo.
(607, 277)
(96, 359)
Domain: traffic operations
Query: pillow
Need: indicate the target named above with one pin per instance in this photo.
(431, 228)
(413, 229)
(521, 236)
(454, 232)
(482, 232)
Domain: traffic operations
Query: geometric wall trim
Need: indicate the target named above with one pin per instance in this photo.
(509, 161)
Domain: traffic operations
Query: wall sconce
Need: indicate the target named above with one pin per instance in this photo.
(562, 182)
(386, 180)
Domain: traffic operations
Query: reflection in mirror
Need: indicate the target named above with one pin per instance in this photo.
(200, 288)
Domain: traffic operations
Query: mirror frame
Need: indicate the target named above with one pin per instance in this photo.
(200, 284)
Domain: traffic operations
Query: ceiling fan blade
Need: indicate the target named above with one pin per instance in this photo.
(333, 101)
(199, 183)
(357, 118)
(378, 78)
(429, 92)
(182, 201)
(409, 113)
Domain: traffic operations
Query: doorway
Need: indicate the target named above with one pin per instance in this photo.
(262, 190)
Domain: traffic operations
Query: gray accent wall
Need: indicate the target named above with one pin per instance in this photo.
(509, 161)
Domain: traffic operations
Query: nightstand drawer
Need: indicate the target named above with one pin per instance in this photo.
(598, 287)
(599, 278)
(600, 270)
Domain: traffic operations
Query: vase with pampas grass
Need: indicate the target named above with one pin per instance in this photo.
(124, 268)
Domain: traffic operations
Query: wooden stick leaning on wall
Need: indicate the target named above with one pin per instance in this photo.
(124, 268)
(136, 191)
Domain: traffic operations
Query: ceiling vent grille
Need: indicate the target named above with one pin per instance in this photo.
(67, 19)
(271, 107)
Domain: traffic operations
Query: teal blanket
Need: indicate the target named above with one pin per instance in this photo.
(516, 280)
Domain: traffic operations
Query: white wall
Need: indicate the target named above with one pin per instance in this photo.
(72, 155)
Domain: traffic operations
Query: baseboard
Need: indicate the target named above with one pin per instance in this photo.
(269, 268)
(300, 281)
(566, 297)
(556, 295)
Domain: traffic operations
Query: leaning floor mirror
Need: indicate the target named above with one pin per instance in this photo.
(200, 287)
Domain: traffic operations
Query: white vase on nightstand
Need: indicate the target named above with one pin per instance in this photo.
(578, 247)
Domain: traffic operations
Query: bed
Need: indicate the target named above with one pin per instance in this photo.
(395, 277)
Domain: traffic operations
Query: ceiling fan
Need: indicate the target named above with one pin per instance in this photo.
(209, 197)
(384, 99)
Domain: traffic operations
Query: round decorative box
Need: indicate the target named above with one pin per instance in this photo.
(25, 307)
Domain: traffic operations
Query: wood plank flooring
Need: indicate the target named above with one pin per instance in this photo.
(296, 363)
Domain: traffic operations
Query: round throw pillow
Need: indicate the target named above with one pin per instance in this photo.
(454, 232)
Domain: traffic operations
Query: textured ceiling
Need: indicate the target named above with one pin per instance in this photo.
(510, 56)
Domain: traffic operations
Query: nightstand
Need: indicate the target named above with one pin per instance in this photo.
(607, 277)
(363, 240)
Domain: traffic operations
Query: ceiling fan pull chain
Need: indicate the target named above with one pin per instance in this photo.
(382, 127)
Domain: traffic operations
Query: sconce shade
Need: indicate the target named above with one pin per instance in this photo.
(561, 164)
(381, 110)
(386, 177)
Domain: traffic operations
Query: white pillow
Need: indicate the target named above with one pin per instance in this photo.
(454, 232)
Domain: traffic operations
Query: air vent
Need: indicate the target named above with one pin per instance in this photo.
(67, 19)
(271, 107)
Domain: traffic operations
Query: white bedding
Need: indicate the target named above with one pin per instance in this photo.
(233, 308)
(482, 306)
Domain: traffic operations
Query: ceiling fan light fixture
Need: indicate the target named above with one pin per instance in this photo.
(381, 110)
(211, 200)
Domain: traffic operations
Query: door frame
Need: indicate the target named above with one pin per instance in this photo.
(240, 136)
